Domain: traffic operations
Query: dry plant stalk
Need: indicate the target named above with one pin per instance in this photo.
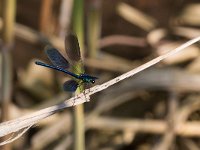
(22, 124)
(136, 17)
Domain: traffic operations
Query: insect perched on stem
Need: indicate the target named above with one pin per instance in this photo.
(59, 63)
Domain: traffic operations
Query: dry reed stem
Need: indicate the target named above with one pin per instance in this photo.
(136, 17)
(24, 122)
(169, 136)
(189, 128)
(122, 40)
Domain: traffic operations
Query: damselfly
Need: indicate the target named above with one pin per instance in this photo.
(59, 63)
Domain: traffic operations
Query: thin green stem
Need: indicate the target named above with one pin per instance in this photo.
(8, 17)
(93, 27)
(77, 24)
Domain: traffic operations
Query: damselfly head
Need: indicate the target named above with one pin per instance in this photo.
(93, 81)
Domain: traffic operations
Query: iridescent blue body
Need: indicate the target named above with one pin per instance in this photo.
(84, 77)
(61, 64)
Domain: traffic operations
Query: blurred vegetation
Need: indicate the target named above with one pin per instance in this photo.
(158, 109)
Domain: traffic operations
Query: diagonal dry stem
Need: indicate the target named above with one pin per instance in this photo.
(24, 122)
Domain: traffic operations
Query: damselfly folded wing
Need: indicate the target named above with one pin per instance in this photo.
(70, 85)
(56, 57)
(72, 47)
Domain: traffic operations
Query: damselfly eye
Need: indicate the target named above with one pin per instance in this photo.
(93, 81)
